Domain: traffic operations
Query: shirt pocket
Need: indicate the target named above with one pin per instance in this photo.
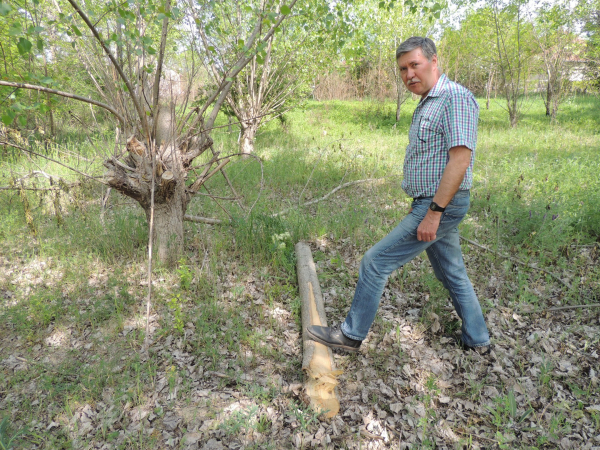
(427, 131)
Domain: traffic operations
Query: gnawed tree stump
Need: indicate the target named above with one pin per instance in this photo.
(317, 362)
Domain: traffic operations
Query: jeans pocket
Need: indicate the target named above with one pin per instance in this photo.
(456, 209)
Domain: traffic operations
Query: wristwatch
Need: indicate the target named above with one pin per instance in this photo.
(435, 207)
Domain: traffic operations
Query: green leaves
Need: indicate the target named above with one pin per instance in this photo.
(8, 117)
(24, 46)
(285, 10)
(4, 8)
(15, 29)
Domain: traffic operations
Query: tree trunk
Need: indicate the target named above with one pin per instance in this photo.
(168, 225)
(549, 99)
(489, 89)
(247, 138)
(133, 177)
(398, 106)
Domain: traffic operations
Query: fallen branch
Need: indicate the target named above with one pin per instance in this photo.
(209, 220)
(559, 308)
(326, 196)
(518, 261)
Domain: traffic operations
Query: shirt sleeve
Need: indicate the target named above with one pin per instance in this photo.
(461, 117)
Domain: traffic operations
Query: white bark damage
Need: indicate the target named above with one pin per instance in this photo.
(317, 362)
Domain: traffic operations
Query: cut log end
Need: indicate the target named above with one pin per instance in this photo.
(135, 146)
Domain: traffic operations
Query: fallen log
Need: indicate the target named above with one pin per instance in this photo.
(317, 361)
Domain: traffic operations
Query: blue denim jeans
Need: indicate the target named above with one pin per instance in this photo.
(445, 255)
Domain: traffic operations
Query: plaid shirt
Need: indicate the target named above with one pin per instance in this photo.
(445, 118)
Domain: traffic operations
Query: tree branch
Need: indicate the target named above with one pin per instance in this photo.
(326, 196)
(161, 55)
(64, 94)
(210, 221)
(50, 159)
(117, 67)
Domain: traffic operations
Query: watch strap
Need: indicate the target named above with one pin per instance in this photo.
(435, 207)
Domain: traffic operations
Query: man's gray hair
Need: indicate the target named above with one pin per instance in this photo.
(425, 44)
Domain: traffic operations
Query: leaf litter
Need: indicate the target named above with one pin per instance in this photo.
(409, 386)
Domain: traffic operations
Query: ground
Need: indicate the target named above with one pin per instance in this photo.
(223, 364)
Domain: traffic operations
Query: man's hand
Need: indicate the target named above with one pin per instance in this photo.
(428, 227)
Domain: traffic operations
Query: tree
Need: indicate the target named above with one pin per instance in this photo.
(377, 28)
(514, 49)
(557, 44)
(589, 15)
(469, 52)
(277, 75)
(124, 47)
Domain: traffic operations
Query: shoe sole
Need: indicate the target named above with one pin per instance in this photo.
(330, 345)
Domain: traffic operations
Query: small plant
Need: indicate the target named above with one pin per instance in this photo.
(185, 275)
(263, 424)
(239, 421)
(305, 417)
(545, 372)
(505, 412)
(5, 439)
(175, 307)
(279, 241)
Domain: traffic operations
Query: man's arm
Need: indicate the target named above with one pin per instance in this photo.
(454, 173)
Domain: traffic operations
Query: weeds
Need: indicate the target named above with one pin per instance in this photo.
(7, 437)
(84, 277)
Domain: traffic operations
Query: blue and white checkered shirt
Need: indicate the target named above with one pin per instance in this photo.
(445, 118)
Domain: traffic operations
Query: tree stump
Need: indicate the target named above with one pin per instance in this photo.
(317, 363)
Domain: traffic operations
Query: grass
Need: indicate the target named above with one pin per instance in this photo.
(80, 280)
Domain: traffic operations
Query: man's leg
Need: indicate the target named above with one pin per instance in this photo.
(389, 254)
(446, 259)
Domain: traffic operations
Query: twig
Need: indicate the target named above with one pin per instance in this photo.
(211, 221)
(150, 239)
(518, 261)
(237, 196)
(560, 308)
(51, 188)
(475, 435)
(63, 94)
(50, 159)
(326, 196)
(314, 167)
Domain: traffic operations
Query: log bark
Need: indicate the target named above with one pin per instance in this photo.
(317, 362)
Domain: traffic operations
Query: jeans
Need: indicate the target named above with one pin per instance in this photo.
(445, 255)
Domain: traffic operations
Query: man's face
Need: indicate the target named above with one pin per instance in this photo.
(418, 73)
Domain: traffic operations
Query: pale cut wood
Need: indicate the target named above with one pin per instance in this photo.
(317, 362)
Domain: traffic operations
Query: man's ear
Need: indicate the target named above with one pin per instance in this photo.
(434, 60)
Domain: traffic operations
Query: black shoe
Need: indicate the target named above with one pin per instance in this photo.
(482, 351)
(332, 337)
(485, 350)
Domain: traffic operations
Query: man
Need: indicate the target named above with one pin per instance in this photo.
(438, 173)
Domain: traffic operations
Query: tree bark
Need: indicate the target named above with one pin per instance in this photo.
(247, 138)
(549, 97)
(133, 177)
(168, 225)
